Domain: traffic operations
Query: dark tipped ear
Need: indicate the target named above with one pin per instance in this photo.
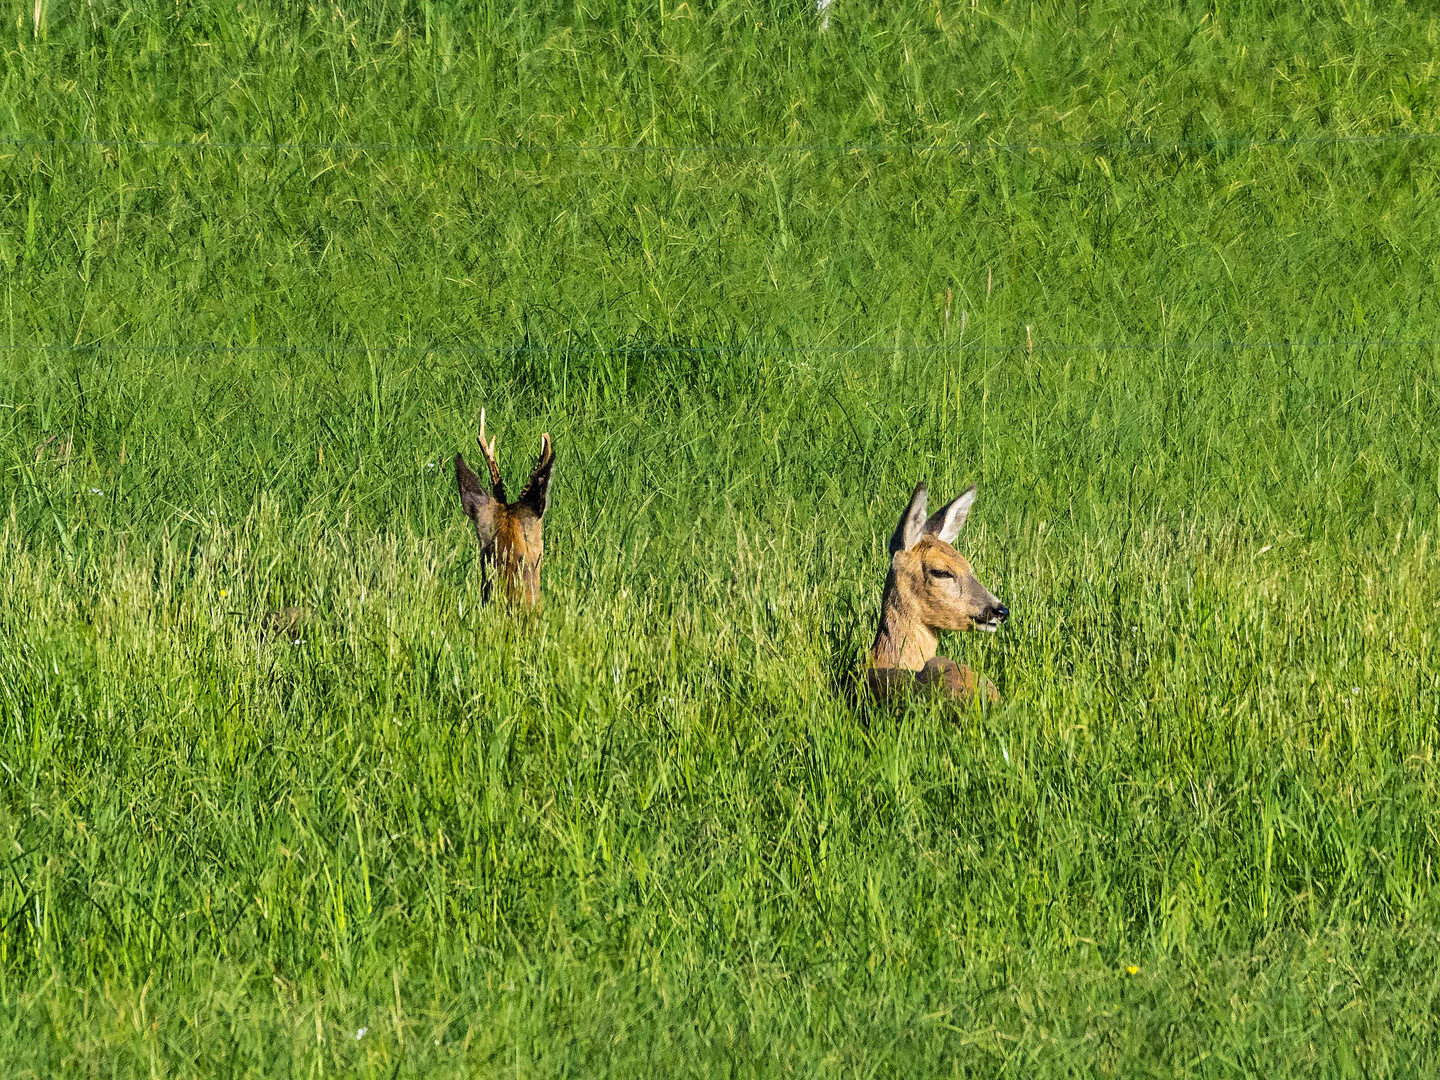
(945, 523)
(912, 523)
(477, 503)
(536, 496)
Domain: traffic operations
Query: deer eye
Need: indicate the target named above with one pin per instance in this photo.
(941, 574)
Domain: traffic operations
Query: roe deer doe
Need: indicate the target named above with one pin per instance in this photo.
(931, 587)
(509, 532)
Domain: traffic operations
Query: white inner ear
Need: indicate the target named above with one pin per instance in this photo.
(912, 525)
(953, 517)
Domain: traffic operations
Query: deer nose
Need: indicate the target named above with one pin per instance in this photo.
(1001, 612)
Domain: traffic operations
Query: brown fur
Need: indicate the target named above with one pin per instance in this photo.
(940, 677)
(286, 622)
(511, 534)
(931, 587)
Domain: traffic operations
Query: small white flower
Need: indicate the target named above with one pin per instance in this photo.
(361, 1033)
(96, 491)
(1354, 689)
(298, 641)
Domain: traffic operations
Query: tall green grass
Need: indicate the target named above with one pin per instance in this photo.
(648, 832)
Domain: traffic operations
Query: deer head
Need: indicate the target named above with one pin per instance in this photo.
(931, 586)
(509, 532)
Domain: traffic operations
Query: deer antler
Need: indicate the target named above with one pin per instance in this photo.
(488, 449)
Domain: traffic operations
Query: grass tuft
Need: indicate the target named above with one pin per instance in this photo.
(262, 270)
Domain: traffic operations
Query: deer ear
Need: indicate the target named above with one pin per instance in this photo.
(477, 503)
(945, 523)
(912, 523)
(536, 496)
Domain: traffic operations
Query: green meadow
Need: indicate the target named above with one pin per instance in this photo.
(1164, 279)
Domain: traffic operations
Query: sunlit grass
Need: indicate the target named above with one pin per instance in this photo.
(649, 832)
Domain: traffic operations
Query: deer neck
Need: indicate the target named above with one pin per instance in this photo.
(903, 640)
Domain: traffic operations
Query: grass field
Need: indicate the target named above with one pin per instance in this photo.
(262, 269)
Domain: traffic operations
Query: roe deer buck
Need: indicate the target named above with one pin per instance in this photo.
(509, 532)
(931, 587)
